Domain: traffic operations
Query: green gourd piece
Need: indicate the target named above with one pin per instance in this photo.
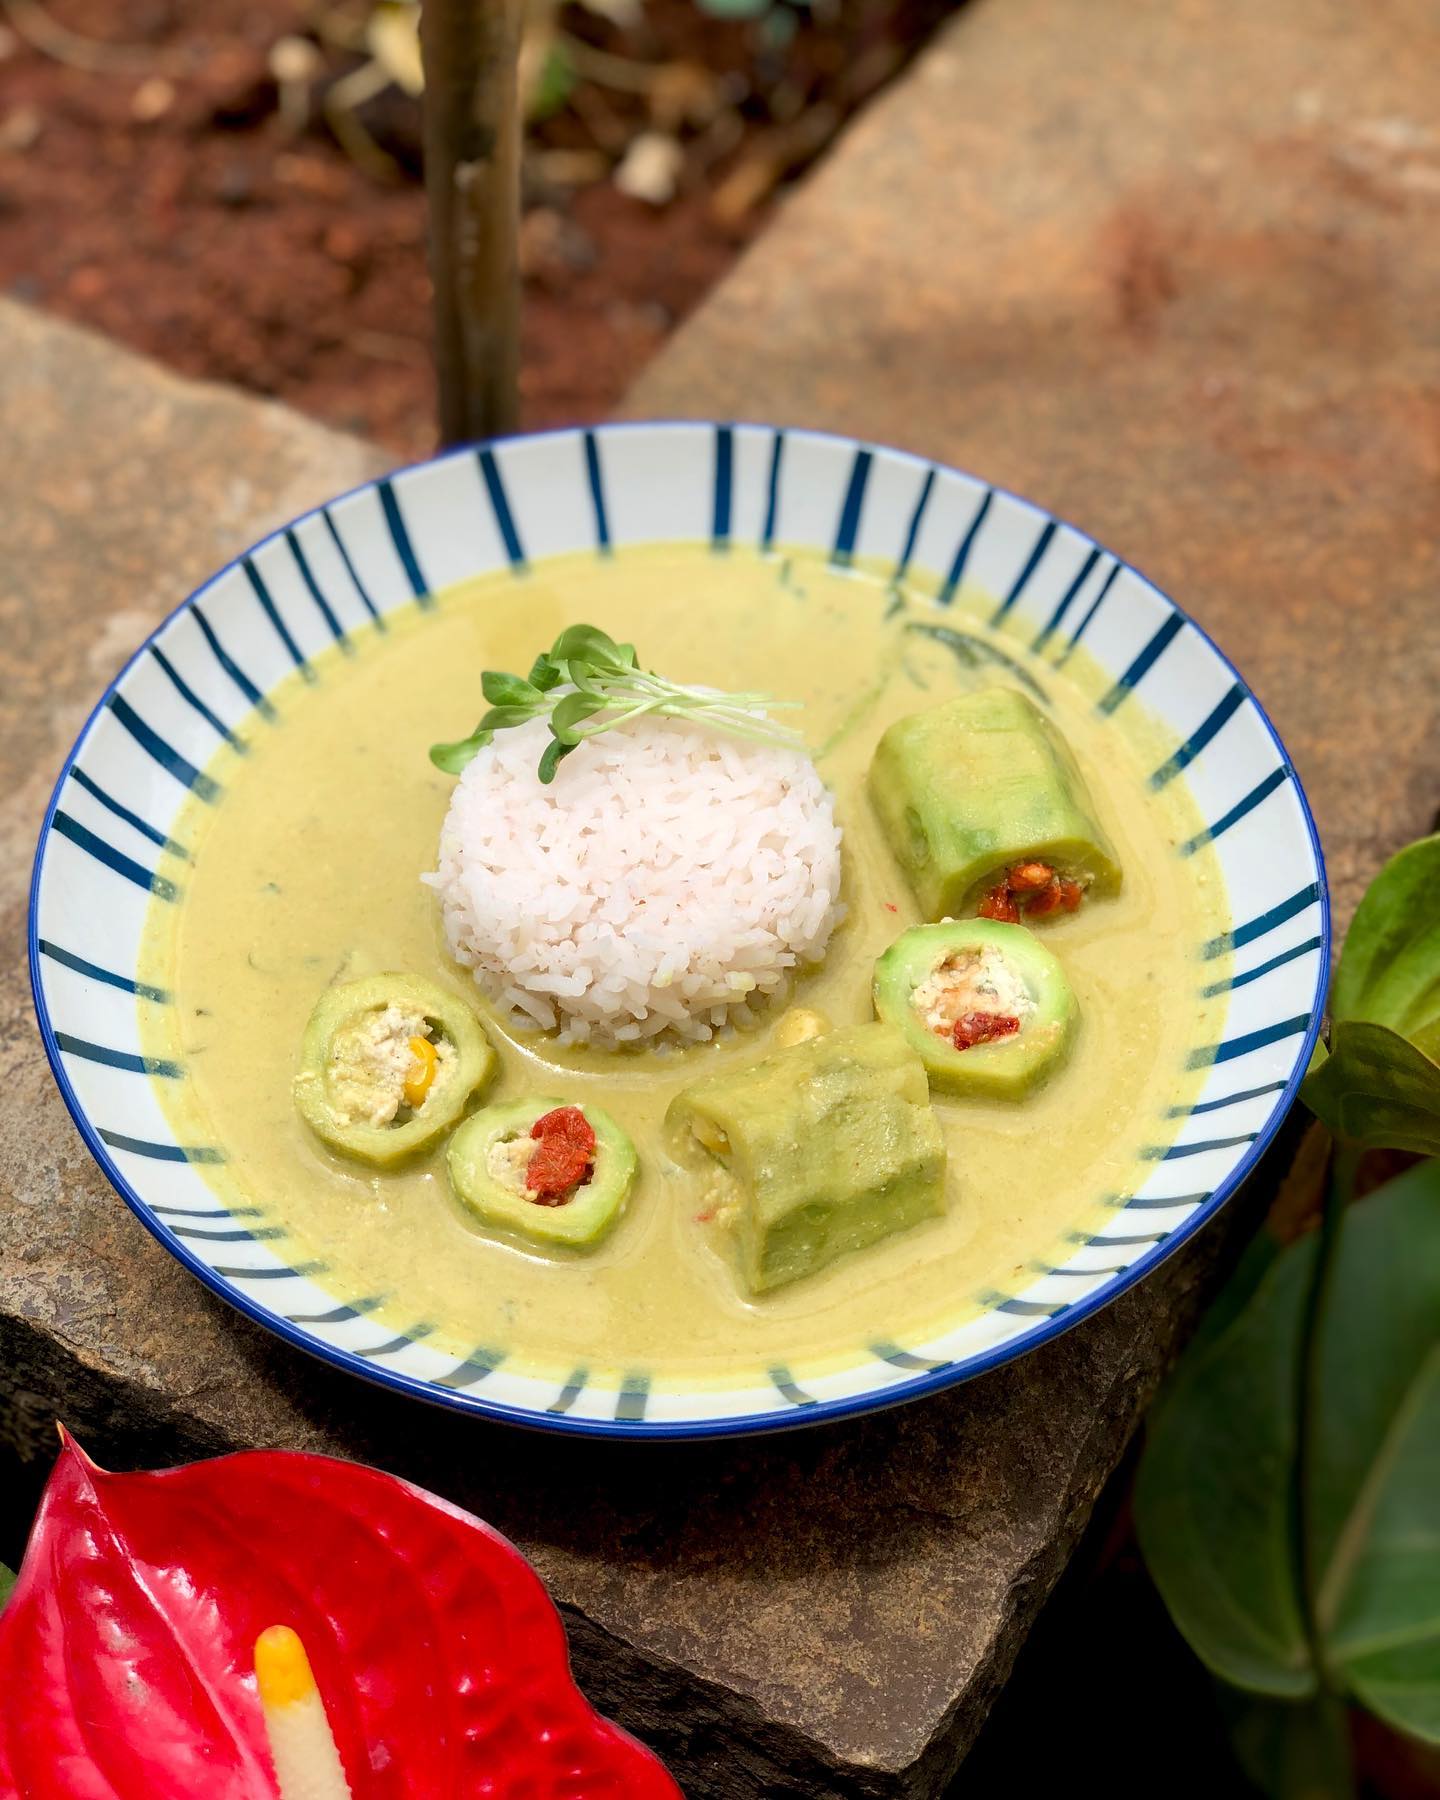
(355, 1059)
(825, 1148)
(976, 785)
(493, 1186)
(972, 971)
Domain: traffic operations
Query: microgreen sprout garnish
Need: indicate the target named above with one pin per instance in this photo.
(603, 687)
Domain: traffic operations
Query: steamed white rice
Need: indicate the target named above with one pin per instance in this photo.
(667, 879)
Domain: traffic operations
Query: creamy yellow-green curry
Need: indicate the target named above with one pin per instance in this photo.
(308, 871)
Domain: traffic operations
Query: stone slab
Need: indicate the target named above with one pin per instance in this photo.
(1169, 268)
(828, 1614)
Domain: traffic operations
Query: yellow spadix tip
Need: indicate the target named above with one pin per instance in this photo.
(282, 1669)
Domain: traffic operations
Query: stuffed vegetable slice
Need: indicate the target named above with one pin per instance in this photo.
(556, 1174)
(985, 1005)
(820, 1150)
(387, 1065)
(986, 810)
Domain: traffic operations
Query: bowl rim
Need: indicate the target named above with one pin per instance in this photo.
(478, 1405)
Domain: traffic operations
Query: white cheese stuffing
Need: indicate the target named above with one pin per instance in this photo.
(507, 1161)
(370, 1062)
(971, 981)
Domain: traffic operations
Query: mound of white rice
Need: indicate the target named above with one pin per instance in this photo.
(667, 879)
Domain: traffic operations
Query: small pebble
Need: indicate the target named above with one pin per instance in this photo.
(650, 169)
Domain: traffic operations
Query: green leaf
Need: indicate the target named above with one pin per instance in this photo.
(587, 643)
(1376, 1089)
(1214, 1497)
(553, 86)
(7, 1582)
(543, 673)
(454, 758)
(554, 754)
(1292, 1751)
(501, 718)
(1390, 968)
(501, 689)
(573, 710)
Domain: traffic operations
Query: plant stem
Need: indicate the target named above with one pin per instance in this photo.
(472, 177)
(1339, 1192)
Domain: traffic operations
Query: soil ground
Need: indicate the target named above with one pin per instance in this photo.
(154, 187)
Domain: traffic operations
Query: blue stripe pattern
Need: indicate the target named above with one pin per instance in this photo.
(1032, 1309)
(280, 1274)
(400, 537)
(1261, 791)
(262, 594)
(194, 701)
(67, 959)
(479, 1364)
(913, 533)
(96, 792)
(724, 485)
(1199, 738)
(222, 1212)
(1265, 923)
(597, 492)
(843, 552)
(1022, 580)
(1090, 613)
(1143, 663)
(1251, 1040)
(785, 1386)
(351, 570)
(962, 554)
(1265, 968)
(570, 1393)
(1172, 1152)
(500, 507)
(338, 1315)
(263, 1235)
(634, 1397)
(183, 1153)
(242, 681)
(1153, 1202)
(302, 563)
(393, 1345)
(113, 859)
(119, 1059)
(907, 1359)
(159, 751)
(1205, 1106)
(772, 492)
(1067, 599)
(1127, 1240)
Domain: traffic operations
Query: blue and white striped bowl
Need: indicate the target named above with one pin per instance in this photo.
(204, 676)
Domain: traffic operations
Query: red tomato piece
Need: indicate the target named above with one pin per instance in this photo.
(999, 904)
(564, 1157)
(982, 1028)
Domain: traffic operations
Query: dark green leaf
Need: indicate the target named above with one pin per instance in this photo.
(7, 1582)
(501, 689)
(573, 710)
(554, 754)
(553, 86)
(587, 643)
(1213, 1501)
(584, 679)
(543, 673)
(501, 718)
(972, 651)
(453, 758)
(1390, 969)
(1292, 1750)
(1377, 1089)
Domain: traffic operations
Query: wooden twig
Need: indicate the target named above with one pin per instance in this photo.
(472, 177)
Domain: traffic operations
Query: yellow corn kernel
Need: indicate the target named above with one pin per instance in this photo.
(422, 1073)
(800, 1024)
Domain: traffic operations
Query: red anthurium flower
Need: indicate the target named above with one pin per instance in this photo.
(127, 1650)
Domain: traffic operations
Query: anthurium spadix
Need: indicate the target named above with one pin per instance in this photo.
(128, 1646)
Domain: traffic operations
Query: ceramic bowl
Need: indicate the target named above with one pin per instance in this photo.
(207, 670)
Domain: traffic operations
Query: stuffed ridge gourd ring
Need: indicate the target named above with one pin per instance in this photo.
(388, 1063)
(491, 1155)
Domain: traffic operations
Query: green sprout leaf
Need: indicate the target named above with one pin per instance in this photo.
(7, 1582)
(1380, 1083)
(1214, 1498)
(605, 685)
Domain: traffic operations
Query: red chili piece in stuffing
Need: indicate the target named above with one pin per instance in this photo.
(981, 1028)
(564, 1155)
(1058, 895)
(999, 904)
(1029, 877)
